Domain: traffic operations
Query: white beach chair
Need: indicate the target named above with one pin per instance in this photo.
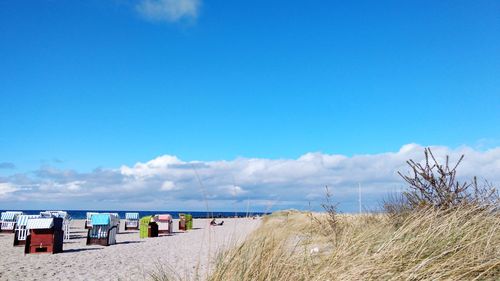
(9, 220)
(131, 221)
(45, 236)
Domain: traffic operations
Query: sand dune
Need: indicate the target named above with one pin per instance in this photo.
(188, 254)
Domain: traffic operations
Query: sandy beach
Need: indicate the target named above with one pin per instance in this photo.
(189, 255)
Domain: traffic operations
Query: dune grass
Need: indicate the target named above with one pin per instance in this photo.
(458, 244)
(438, 229)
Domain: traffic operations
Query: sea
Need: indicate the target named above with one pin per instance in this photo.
(82, 214)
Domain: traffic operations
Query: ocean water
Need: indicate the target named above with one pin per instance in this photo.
(82, 214)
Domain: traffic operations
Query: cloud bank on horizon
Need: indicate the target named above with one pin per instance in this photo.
(169, 183)
(169, 10)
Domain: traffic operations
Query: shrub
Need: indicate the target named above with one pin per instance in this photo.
(433, 184)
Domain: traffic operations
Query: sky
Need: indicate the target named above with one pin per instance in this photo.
(168, 104)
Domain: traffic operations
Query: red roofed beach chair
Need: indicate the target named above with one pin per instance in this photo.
(45, 236)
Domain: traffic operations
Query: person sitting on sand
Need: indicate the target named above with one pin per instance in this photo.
(213, 222)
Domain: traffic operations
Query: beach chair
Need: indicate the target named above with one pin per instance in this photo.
(66, 220)
(182, 222)
(104, 229)
(131, 221)
(9, 220)
(45, 236)
(54, 214)
(164, 222)
(148, 227)
(88, 221)
(21, 230)
(189, 221)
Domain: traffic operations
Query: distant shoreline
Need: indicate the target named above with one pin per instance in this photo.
(81, 214)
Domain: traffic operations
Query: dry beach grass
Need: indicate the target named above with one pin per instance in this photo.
(438, 229)
(459, 244)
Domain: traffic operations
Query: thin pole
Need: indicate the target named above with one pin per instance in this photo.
(359, 197)
(202, 187)
(248, 207)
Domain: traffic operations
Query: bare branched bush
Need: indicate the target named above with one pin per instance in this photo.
(432, 184)
(331, 209)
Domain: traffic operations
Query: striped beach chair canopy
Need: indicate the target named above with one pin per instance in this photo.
(40, 223)
(90, 214)
(22, 220)
(54, 214)
(10, 215)
(163, 217)
(132, 216)
(100, 219)
(113, 216)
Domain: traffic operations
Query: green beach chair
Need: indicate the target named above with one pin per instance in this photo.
(148, 227)
(189, 221)
(182, 222)
(144, 226)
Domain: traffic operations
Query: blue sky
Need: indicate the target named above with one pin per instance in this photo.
(92, 84)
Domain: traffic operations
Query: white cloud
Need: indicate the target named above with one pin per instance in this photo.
(6, 188)
(233, 190)
(72, 186)
(154, 167)
(168, 186)
(169, 10)
(168, 182)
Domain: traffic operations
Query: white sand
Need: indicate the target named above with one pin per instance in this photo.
(189, 254)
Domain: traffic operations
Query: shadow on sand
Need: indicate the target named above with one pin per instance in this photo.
(80, 250)
(128, 242)
(77, 236)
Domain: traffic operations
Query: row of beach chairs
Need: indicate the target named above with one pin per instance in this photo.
(43, 233)
(152, 226)
(103, 227)
(17, 222)
(46, 232)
